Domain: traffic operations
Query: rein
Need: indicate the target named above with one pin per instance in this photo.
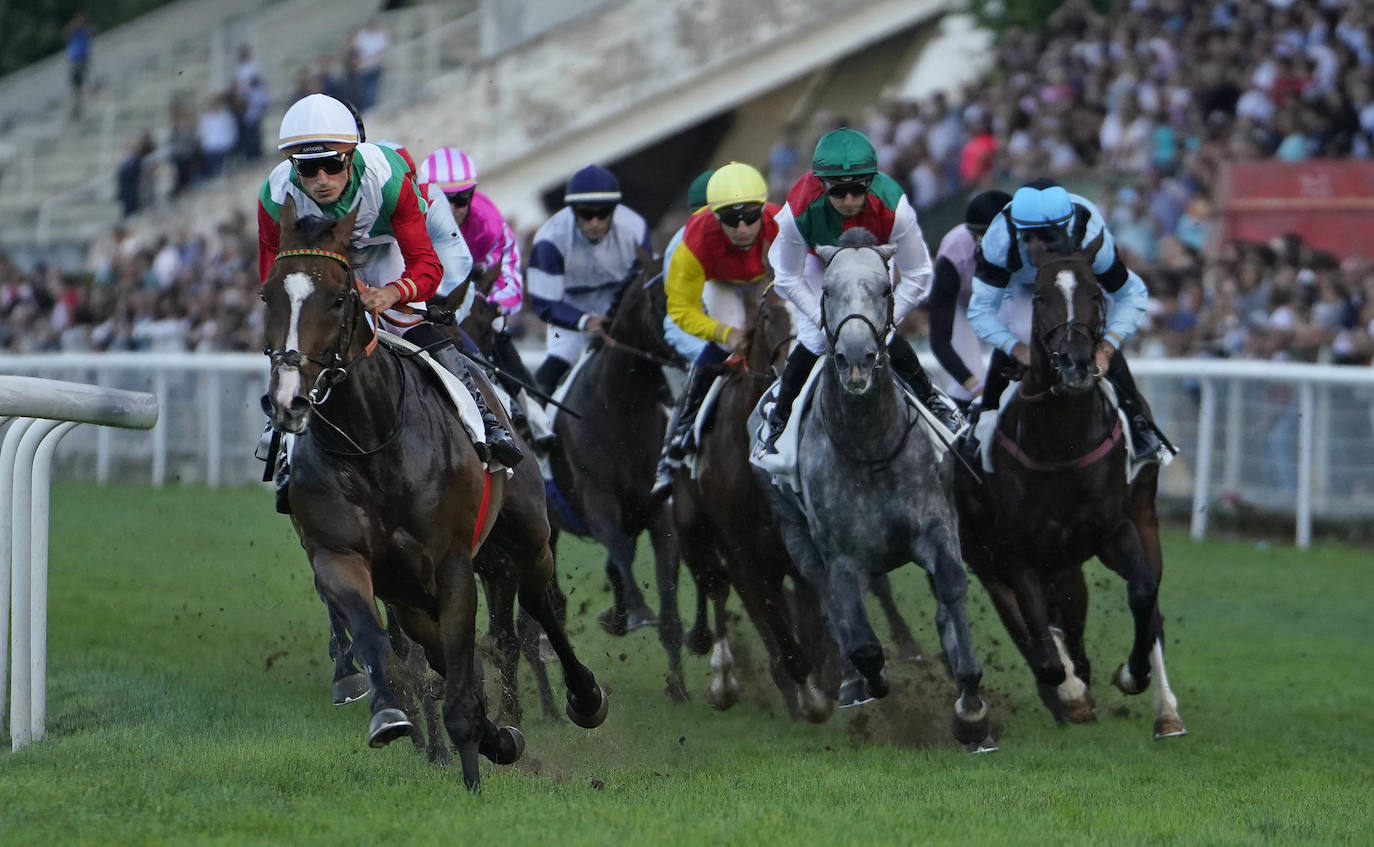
(882, 461)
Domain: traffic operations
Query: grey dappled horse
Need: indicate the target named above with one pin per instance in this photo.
(873, 495)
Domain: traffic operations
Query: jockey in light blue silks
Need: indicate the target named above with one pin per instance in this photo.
(1044, 219)
(580, 260)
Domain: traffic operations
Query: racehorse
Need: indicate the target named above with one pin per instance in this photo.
(873, 494)
(1059, 495)
(605, 458)
(728, 536)
(391, 501)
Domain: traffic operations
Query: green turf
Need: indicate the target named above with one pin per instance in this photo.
(188, 703)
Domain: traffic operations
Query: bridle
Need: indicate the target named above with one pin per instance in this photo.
(1090, 329)
(333, 366)
(888, 325)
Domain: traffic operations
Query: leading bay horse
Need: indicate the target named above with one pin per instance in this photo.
(873, 494)
(605, 457)
(391, 501)
(1059, 495)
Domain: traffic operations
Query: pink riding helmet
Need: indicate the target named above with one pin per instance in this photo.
(449, 168)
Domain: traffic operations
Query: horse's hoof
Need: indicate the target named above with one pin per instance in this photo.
(350, 688)
(642, 616)
(721, 695)
(594, 718)
(1169, 727)
(815, 706)
(854, 692)
(612, 621)
(1128, 686)
(698, 642)
(387, 726)
(970, 732)
(1082, 710)
(512, 746)
(676, 689)
(987, 745)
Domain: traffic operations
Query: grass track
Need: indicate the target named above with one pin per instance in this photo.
(188, 703)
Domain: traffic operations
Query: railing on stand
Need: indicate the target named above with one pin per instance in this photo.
(40, 412)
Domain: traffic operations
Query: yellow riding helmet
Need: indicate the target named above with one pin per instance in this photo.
(736, 184)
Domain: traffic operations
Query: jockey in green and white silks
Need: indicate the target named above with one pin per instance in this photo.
(330, 172)
(1043, 217)
(844, 190)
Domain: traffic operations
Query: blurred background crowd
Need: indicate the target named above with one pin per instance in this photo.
(1138, 110)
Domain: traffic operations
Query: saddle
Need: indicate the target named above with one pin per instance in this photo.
(463, 402)
(783, 466)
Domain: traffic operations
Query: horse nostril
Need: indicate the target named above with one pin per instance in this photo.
(266, 404)
(299, 406)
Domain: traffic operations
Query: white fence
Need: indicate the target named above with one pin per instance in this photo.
(40, 413)
(1281, 437)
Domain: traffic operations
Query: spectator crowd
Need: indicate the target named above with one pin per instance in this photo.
(1145, 105)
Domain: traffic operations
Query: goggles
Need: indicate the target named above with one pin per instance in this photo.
(593, 213)
(332, 165)
(731, 218)
(461, 199)
(841, 190)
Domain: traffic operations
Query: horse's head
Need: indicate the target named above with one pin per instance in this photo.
(639, 308)
(856, 306)
(1067, 319)
(770, 330)
(314, 325)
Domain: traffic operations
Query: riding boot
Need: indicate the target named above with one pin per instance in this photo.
(550, 374)
(908, 366)
(1146, 441)
(499, 444)
(678, 438)
(794, 373)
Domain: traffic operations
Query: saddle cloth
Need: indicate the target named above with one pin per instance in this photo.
(783, 466)
(703, 422)
(468, 413)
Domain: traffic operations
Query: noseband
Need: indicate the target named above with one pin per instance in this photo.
(1089, 329)
(333, 366)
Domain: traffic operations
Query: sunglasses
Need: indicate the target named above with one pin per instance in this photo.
(731, 218)
(841, 190)
(332, 165)
(461, 199)
(594, 213)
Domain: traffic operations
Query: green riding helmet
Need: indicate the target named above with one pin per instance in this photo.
(844, 154)
(696, 192)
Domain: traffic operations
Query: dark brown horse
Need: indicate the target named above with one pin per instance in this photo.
(390, 499)
(1059, 495)
(729, 538)
(604, 462)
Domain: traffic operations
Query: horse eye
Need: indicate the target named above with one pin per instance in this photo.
(339, 301)
(262, 295)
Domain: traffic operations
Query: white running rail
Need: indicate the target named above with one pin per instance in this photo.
(39, 413)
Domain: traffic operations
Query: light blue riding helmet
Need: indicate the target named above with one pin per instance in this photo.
(1041, 204)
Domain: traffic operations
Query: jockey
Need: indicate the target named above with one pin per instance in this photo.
(1042, 219)
(452, 172)
(580, 260)
(959, 350)
(449, 243)
(687, 346)
(329, 172)
(723, 261)
(843, 190)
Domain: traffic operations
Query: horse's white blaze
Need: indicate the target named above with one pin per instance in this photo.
(1066, 282)
(298, 287)
(1166, 705)
(1072, 688)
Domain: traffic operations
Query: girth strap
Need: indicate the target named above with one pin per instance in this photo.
(1083, 461)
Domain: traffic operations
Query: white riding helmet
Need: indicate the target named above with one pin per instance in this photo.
(317, 120)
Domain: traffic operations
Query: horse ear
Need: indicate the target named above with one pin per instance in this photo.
(287, 221)
(887, 251)
(826, 252)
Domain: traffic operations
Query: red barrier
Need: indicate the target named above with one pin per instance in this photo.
(1328, 202)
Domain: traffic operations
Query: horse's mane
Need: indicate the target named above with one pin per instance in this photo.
(313, 227)
(857, 237)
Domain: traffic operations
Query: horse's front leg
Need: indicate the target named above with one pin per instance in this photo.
(500, 588)
(905, 642)
(666, 570)
(349, 683)
(938, 551)
(344, 581)
(847, 586)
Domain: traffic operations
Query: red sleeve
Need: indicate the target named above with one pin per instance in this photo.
(423, 271)
(269, 240)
